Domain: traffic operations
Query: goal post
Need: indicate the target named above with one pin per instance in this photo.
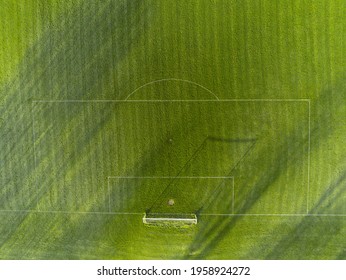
(169, 219)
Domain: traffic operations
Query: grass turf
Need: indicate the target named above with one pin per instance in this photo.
(56, 157)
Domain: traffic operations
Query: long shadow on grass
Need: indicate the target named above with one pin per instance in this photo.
(312, 234)
(73, 60)
(211, 234)
(324, 109)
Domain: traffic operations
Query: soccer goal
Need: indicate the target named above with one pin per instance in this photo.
(169, 219)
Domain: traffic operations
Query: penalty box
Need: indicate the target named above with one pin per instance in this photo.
(79, 144)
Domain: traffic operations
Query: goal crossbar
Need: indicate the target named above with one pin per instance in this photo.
(157, 218)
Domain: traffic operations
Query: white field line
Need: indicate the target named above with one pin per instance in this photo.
(164, 101)
(109, 196)
(72, 212)
(233, 195)
(34, 150)
(277, 215)
(170, 177)
(141, 213)
(172, 79)
(309, 138)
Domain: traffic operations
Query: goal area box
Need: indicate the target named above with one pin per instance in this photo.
(171, 197)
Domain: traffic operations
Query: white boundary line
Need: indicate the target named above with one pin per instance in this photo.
(34, 149)
(170, 177)
(165, 101)
(309, 138)
(182, 100)
(233, 196)
(138, 213)
(73, 212)
(173, 177)
(278, 215)
(109, 195)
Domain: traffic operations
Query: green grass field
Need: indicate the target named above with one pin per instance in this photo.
(236, 110)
